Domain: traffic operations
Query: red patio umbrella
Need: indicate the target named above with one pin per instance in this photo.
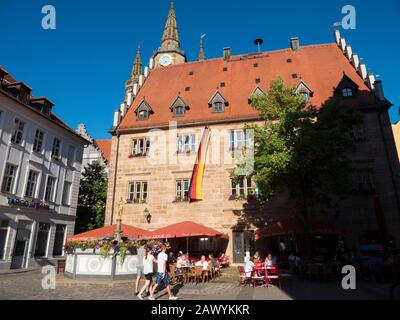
(108, 231)
(184, 229)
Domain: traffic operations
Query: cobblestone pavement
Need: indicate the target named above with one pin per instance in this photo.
(27, 285)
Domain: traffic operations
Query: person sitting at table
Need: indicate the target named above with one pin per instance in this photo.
(269, 261)
(212, 260)
(171, 258)
(257, 257)
(249, 267)
(202, 263)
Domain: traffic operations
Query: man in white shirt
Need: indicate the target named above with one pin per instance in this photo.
(162, 274)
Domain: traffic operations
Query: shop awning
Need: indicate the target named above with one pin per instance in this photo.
(108, 231)
(183, 230)
(296, 226)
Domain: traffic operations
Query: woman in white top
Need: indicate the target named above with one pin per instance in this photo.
(249, 267)
(148, 270)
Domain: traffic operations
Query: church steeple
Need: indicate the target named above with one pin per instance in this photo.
(201, 52)
(170, 37)
(137, 67)
(170, 52)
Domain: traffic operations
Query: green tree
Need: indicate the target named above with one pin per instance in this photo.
(92, 198)
(302, 149)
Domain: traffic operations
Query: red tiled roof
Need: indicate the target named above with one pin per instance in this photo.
(108, 231)
(105, 148)
(321, 67)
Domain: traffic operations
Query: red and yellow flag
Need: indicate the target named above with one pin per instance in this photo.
(196, 183)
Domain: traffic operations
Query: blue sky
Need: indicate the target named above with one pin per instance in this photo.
(82, 65)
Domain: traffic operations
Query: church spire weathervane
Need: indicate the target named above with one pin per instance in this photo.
(170, 34)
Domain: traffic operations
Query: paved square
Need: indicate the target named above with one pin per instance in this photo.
(27, 285)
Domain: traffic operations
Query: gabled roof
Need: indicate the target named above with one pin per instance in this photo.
(301, 86)
(320, 66)
(105, 148)
(179, 101)
(9, 83)
(219, 96)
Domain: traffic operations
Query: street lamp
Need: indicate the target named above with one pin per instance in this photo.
(147, 215)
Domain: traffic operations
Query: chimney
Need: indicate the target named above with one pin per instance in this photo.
(356, 61)
(371, 81)
(135, 89)
(363, 71)
(117, 118)
(151, 63)
(141, 80)
(146, 72)
(123, 108)
(379, 90)
(349, 52)
(337, 37)
(295, 44)
(342, 44)
(129, 98)
(227, 53)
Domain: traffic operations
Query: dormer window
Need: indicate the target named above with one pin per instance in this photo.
(218, 103)
(305, 95)
(346, 88)
(143, 115)
(347, 92)
(304, 90)
(179, 107)
(143, 111)
(218, 107)
(179, 111)
(257, 91)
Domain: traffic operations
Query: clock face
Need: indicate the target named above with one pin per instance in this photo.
(165, 60)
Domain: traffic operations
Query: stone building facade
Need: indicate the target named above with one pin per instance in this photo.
(40, 169)
(151, 163)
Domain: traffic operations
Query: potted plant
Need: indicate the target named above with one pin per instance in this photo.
(232, 197)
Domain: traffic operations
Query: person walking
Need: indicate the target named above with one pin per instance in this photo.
(162, 274)
(139, 265)
(148, 263)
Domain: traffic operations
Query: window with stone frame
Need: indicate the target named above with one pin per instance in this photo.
(182, 190)
(9, 176)
(55, 151)
(50, 188)
(239, 139)
(71, 156)
(66, 196)
(18, 131)
(137, 192)
(186, 143)
(31, 184)
(38, 141)
(242, 188)
(4, 226)
(140, 147)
